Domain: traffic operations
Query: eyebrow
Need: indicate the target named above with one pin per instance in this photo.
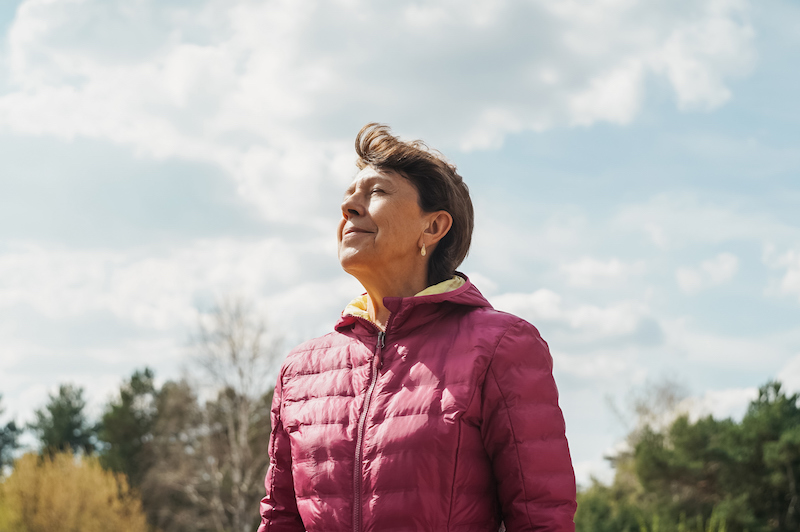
(367, 181)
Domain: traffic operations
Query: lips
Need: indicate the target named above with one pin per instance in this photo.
(353, 229)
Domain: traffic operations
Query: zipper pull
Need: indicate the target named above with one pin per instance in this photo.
(379, 347)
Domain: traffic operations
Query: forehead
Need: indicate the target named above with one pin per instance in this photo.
(370, 175)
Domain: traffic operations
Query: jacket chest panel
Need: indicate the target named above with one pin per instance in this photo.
(421, 396)
(327, 393)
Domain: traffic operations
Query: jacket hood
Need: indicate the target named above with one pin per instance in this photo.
(410, 311)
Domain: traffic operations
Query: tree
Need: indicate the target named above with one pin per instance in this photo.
(767, 449)
(190, 488)
(69, 494)
(126, 428)
(606, 509)
(174, 490)
(62, 425)
(8, 441)
(200, 463)
(783, 459)
(237, 355)
(708, 474)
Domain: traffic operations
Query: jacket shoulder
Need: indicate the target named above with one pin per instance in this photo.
(321, 342)
(514, 340)
(504, 321)
(308, 356)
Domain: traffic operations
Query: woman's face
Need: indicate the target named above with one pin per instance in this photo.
(382, 224)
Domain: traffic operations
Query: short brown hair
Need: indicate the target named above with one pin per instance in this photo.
(438, 185)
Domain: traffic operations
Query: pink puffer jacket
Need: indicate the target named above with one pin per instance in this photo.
(447, 422)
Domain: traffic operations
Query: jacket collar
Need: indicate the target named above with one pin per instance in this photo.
(410, 312)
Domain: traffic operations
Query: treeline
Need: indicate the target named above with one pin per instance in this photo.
(189, 455)
(706, 475)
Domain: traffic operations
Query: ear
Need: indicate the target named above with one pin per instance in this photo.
(439, 223)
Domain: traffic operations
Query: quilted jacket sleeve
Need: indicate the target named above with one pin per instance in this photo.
(279, 507)
(524, 435)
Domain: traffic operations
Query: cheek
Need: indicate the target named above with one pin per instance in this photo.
(406, 223)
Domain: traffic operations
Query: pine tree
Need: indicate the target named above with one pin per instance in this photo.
(126, 428)
(8, 441)
(61, 425)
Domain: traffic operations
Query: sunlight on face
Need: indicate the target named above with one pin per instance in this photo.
(382, 223)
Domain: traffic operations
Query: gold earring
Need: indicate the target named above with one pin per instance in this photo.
(422, 251)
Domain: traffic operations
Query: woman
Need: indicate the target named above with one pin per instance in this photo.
(425, 409)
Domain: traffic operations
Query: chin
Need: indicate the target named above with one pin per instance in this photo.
(347, 259)
(352, 263)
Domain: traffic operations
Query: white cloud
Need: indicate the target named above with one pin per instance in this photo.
(721, 268)
(613, 97)
(544, 305)
(674, 221)
(717, 40)
(272, 92)
(486, 285)
(789, 375)
(155, 290)
(721, 404)
(590, 272)
(599, 469)
(152, 297)
(689, 280)
(712, 272)
(601, 367)
(502, 243)
(25, 391)
(789, 261)
(745, 352)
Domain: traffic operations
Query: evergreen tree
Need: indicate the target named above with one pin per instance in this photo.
(174, 490)
(706, 475)
(126, 428)
(62, 426)
(8, 441)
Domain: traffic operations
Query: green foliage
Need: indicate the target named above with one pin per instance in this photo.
(126, 428)
(606, 509)
(769, 452)
(169, 491)
(62, 425)
(8, 441)
(706, 476)
(199, 465)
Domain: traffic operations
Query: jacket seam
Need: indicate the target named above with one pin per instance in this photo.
(272, 479)
(278, 426)
(327, 370)
(510, 423)
(453, 482)
(312, 398)
(480, 383)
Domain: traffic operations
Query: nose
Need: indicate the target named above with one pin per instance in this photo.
(351, 207)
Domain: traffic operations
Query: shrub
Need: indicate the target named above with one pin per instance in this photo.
(68, 494)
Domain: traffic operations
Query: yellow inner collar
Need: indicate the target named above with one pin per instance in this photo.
(358, 306)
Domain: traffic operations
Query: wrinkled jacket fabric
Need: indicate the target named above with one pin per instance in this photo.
(448, 422)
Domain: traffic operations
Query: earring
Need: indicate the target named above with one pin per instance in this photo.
(422, 251)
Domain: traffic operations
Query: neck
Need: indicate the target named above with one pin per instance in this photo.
(381, 287)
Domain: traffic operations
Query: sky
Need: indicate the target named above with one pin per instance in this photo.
(635, 170)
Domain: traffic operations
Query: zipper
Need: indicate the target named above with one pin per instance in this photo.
(376, 364)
